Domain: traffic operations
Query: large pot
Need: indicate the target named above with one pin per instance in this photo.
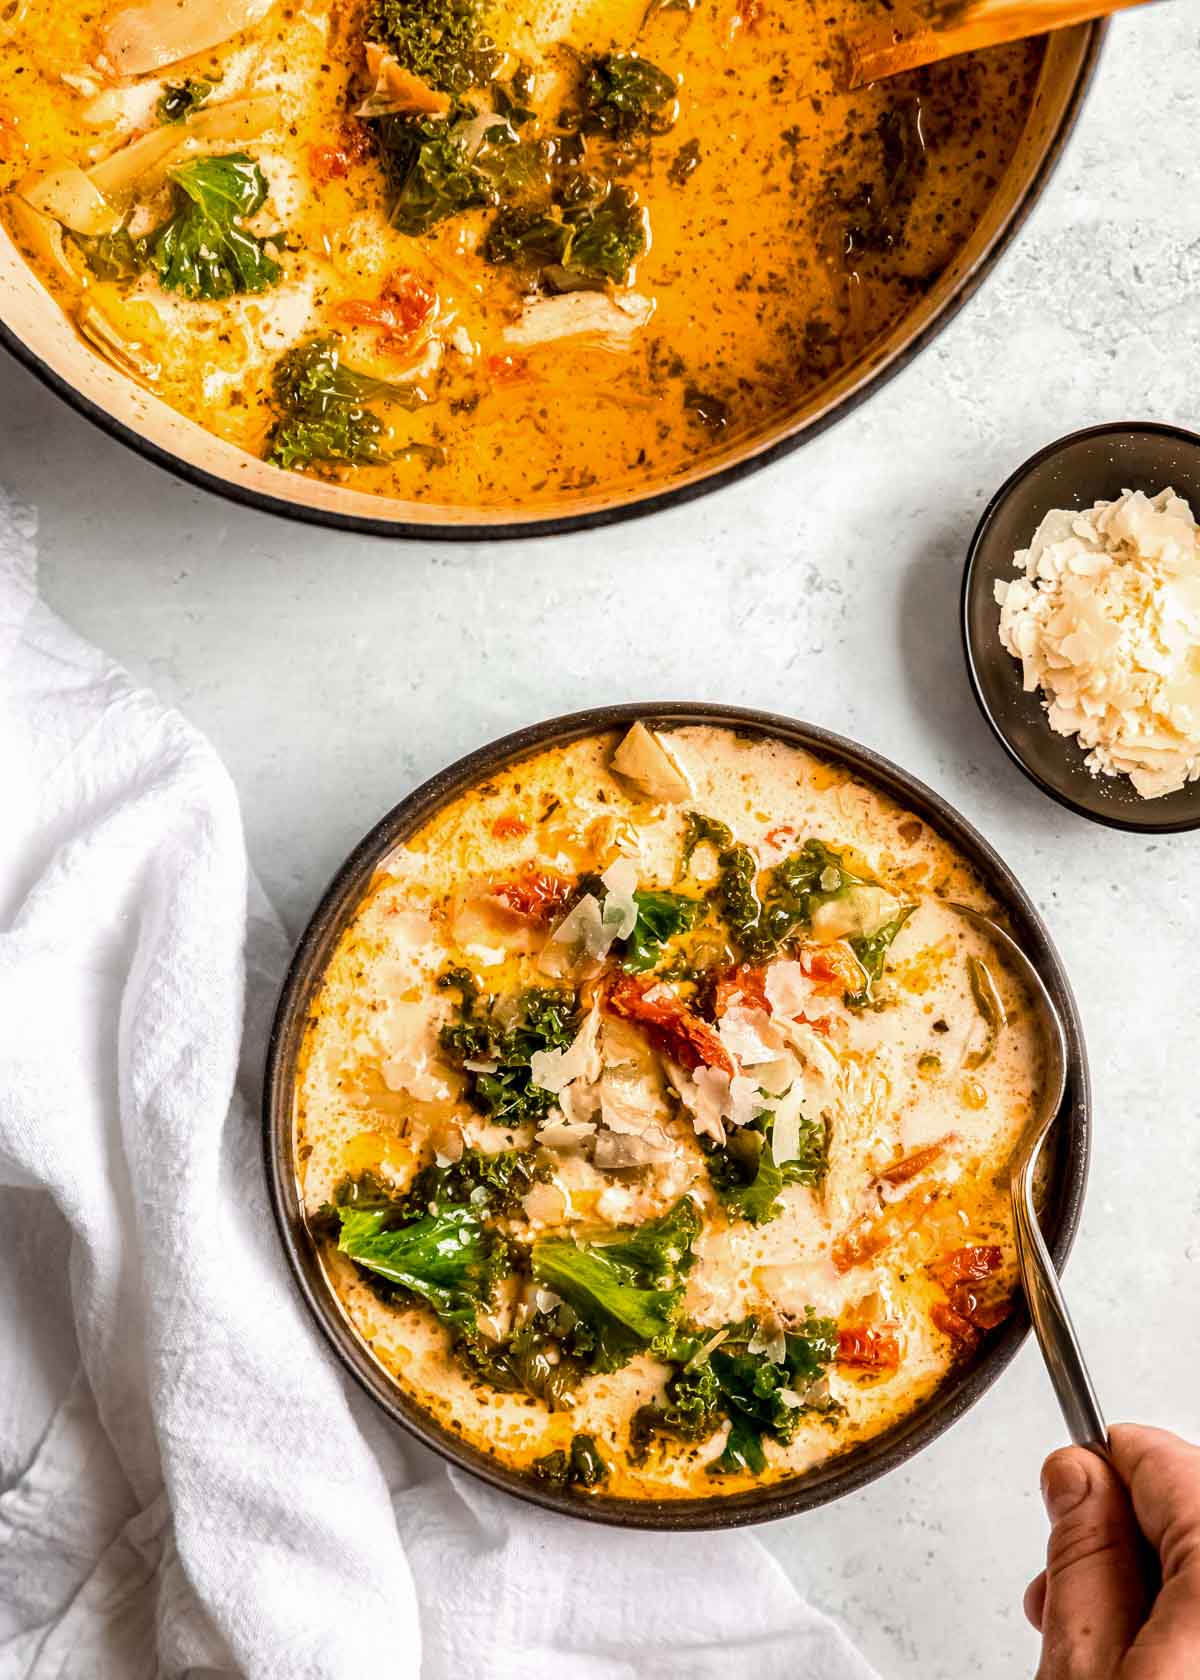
(1067, 1150)
(35, 329)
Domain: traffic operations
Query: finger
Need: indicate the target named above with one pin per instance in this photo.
(1035, 1601)
(1096, 1594)
(1163, 1476)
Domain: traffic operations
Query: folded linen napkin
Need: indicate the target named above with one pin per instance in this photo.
(189, 1486)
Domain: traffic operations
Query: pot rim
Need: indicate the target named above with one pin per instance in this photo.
(843, 1474)
(635, 507)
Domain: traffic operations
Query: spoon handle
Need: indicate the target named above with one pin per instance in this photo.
(1052, 1325)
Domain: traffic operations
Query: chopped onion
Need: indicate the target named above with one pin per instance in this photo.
(158, 32)
(73, 199)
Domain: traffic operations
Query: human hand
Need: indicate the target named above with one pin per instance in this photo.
(1119, 1598)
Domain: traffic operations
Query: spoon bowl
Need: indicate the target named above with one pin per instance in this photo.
(1052, 1324)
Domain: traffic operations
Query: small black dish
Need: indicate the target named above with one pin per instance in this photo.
(1086, 467)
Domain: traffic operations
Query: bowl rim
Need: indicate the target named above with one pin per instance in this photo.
(562, 524)
(841, 1475)
(971, 583)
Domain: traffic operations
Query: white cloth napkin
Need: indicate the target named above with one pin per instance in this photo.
(188, 1486)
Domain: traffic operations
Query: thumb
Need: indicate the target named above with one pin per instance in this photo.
(1096, 1595)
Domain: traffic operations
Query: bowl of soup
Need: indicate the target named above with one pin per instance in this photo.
(639, 1109)
(471, 268)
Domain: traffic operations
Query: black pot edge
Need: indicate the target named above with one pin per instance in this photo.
(661, 500)
(1107, 428)
(841, 1476)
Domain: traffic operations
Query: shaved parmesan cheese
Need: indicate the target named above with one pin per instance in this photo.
(789, 990)
(580, 939)
(615, 1150)
(629, 1101)
(769, 1341)
(785, 1131)
(620, 907)
(565, 1136)
(552, 1070)
(579, 1101)
(749, 1036)
(714, 1099)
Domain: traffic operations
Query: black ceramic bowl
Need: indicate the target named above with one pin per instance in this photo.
(1086, 467)
(1068, 1157)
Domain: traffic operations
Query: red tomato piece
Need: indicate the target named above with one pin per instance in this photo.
(538, 894)
(509, 827)
(334, 162)
(868, 1347)
(406, 303)
(668, 1023)
(743, 984)
(908, 1166)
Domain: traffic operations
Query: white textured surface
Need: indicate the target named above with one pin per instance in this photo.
(333, 673)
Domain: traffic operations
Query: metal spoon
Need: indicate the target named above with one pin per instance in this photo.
(1047, 1309)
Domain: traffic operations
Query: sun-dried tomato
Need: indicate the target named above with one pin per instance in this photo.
(743, 983)
(405, 305)
(973, 1296)
(908, 1166)
(334, 162)
(967, 1265)
(668, 1023)
(833, 967)
(868, 1347)
(509, 827)
(538, 894)
(781, 835)
(953, 1324)
(506, 370)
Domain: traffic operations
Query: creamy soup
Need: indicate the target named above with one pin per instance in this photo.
(486, 254)
(654, 1109)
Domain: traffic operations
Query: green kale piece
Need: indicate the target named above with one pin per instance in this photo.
(492, 1185)
(431, 167)
(626, 96)
(626, 1289)
(546, 1018)
(576, 243)
(745, 1175)
(581, 1466)
(321, 404)
(113, 256)
(757, 1395)
(438, 40)
(202, 251)
(661, 916)
(872, 953)
(448, 1258)
(180, 99)
(699, 830)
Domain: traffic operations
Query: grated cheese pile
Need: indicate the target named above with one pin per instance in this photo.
(1106, 622)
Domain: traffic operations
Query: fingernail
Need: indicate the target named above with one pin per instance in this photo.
(1065, 1484)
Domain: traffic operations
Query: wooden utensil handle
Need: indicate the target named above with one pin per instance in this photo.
(915, 37)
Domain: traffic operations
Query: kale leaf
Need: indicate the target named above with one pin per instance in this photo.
(439, 41)
(429, 163)
(745, 1175)
(872, 953)
(593, 233)
(203, 251)
(581, 1466)
(626, 96)
(180, 99)
(547, 1018)
(448, 1258)
(321, 404)
(758, 1396)
(491, 1184)
(625, 1290)
(661, 916)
